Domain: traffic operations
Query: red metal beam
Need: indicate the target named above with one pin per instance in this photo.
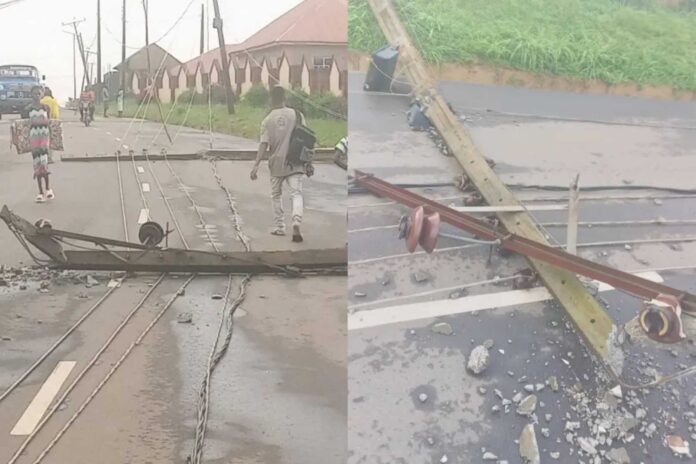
(618, 279)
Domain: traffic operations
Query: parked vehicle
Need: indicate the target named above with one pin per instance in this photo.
(16, 82)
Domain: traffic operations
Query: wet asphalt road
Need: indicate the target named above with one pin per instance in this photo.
(391, 365)
(279, 394)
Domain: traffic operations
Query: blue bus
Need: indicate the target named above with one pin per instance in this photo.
(16, 82)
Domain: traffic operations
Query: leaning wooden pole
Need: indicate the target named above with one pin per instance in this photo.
(586, 313)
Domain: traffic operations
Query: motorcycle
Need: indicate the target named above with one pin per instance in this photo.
(86, 113)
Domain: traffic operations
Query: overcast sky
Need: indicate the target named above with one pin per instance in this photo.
(31, 31)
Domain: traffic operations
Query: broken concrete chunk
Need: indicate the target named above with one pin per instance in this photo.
(555, 455)
(444, 459)
(518, 397)
(488, 344)
(529, 449)
(479, 359)
(678, 445)
(488, 456)
(527, 406)
(618, 456)
(442, 328)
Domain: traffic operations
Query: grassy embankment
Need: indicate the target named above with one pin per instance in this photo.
(244, 123)
(615, 41)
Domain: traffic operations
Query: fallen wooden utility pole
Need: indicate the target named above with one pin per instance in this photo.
(586, 313)
(147, 256)
(321, 155)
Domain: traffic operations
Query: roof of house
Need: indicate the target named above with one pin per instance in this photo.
(138, 60)
(310, 22)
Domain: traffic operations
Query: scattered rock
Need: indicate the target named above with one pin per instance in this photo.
(184, 318)
(91, 281)
(616, 391)
(422, 397)
(488, 344)
(458, 294)
(482, 390)
(628, 247)
(420, 277)
(553, 383)
(488, 456)
(588, 445)
(555, 455)
(618, 456)
(479, 359)
(444, 459)
(527, 406)
(358, 294)
(546, 432)
(529, 449)
(442, 328)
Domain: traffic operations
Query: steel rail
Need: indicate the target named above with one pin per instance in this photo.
(618, 279)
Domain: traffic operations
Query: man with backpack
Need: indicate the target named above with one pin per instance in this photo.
(289, 145)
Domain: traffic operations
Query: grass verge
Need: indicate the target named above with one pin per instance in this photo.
(611, 40)
(244, 123)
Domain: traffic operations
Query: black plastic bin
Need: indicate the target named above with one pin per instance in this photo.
(381, 71)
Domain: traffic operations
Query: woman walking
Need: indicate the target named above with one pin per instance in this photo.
(54, 108)
(39, 139)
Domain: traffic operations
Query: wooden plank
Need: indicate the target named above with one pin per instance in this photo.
(572, 227)
(585, 312)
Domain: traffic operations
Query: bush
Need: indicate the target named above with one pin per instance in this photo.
(198, 98)
(315, 106)
(257, 96)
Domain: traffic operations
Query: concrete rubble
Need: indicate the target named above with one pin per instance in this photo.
(529, 449)
(479, 359)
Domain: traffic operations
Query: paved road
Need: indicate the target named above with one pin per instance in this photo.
(279, 394)
(392, 364)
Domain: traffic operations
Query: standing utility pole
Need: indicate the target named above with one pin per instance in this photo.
(152, 81)
(78, 36)
(99, 55)
(202, 29)
(217, 24)
(123, 50)
(74, 63)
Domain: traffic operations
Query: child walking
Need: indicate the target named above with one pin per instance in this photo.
(39, 138)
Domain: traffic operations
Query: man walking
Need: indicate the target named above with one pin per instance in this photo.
(276, 133)
(105, 100)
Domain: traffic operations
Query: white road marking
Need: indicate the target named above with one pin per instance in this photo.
(430, 309)
(144, 216)
(141, 170)
(38, 406)
(508, 209)
(146, 187)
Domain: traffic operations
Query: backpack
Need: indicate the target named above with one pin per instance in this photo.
(302, 140)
